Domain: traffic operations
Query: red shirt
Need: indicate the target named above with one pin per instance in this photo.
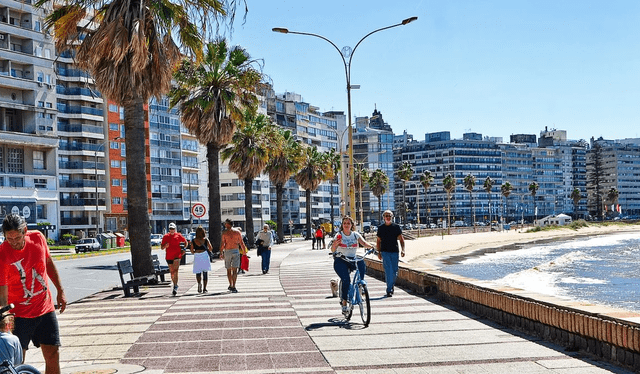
(173, 250)
(24, 272)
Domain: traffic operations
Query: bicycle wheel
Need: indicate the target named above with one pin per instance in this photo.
(26, 369)
(348, 315)
(364, 304)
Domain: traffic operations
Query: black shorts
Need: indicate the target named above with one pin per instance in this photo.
(39, 330)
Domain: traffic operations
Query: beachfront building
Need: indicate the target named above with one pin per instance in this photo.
(556, 164)
(28, 112)
(324, 130)
(459, 157)
(613, 164)
(373, 149)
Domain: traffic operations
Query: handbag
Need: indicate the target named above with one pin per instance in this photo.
(244, 262)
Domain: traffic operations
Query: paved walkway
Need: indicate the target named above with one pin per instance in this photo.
(287, 322)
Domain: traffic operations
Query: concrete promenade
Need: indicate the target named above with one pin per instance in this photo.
(287, 322)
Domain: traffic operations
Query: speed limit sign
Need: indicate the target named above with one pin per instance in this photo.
(198, 210)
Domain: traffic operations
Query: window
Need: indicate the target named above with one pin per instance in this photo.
(38, 160)
(113, 108)
(124, 168)
(41, 211)
(40, 77)
(15, 160)
(115, 163)
(36, 26)
(48, 78)
(114, 145)
(47, 53)
(41, 104)
(124, 185)
(115, 182)
(115, 200)
(38, 51)
(40, 183)
(1, 163)
(16, 182)
(48, 105)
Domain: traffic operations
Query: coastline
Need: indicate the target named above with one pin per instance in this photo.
(427, 253)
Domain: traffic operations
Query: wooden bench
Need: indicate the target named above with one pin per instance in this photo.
(125, 268)
(160, 270)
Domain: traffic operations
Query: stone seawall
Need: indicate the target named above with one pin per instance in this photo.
(611, 334)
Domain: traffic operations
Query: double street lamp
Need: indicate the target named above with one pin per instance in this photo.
(347, 53)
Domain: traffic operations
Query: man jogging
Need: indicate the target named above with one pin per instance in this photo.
(389, 234)
(25, 270)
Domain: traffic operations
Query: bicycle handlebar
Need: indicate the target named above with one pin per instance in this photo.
(357, 258)
(6, 308)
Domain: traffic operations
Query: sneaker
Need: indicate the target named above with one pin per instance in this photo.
(230, 288)
(345, 310)
(389, 294)
(199, 288)
(175, 290)
(204, 290)
(234, 290)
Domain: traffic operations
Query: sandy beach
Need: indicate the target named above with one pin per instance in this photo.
(424, 253)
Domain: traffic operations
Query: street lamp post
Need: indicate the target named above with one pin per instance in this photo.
(347, 53)
(340, 136)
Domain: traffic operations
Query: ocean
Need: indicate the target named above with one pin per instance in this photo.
(602, 270)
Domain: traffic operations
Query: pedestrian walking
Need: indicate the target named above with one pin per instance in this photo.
(231, 247)
(318, 238)
(25, 270)
(389, 234)
(201, 248)
(265, 241)
(171, 243)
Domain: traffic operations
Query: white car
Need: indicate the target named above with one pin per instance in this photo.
(156, 239)
(87, 245)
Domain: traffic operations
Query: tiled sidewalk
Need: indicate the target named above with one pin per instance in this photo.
(287, 322)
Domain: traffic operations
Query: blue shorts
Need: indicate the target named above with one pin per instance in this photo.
(39, 330)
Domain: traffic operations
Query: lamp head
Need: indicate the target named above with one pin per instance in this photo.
(407, 21)
(281, 30)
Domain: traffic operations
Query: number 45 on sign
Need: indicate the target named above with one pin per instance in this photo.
(198, 210)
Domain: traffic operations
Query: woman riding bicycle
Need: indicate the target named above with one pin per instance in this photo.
(347, 242)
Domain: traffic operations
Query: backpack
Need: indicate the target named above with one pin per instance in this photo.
(319, 233)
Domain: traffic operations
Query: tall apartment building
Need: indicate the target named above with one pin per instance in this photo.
(314, 128)
(618, 164)
(373, 149)
(557, 165)
(28, 111)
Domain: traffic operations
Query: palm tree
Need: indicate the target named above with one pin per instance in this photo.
(378, 182)
(405, 173)
(576, 196)
(425, 180)
(360, 176)
(248, 154)
(212, 96)
(129, 49)
(334, 159)
(469, 184)
(449, 185)
(612, 196)
(488, 186)
(506, 189)
(313, 171)
(285, 162)
(533, 188)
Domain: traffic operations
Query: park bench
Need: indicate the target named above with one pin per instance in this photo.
(125, 268)
(159, 270)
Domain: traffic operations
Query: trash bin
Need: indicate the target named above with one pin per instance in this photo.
(105, 241)
(119, 240)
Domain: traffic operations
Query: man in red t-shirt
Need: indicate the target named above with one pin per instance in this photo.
(25, 270)
(171, 243)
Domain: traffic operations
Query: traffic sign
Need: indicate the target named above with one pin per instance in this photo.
(198, 210)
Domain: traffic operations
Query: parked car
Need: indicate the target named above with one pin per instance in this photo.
(87, 245)
(156, 239)
(459, 224)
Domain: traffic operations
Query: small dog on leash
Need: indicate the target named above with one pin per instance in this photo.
(334, 286)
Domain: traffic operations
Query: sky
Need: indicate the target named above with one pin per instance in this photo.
(491, 67)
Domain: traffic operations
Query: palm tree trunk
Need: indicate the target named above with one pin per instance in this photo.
(215, 219)
(380, 210)
(137, 193)
(473, 215)
(404, 202)
(308, 198)
(279, 193)
(248, 210)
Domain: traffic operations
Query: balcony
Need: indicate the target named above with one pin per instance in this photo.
(74, 221)
(77, 91)
(81, 202)
(69, 109)
(77, 165)
(82, 183)
(65, 127)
